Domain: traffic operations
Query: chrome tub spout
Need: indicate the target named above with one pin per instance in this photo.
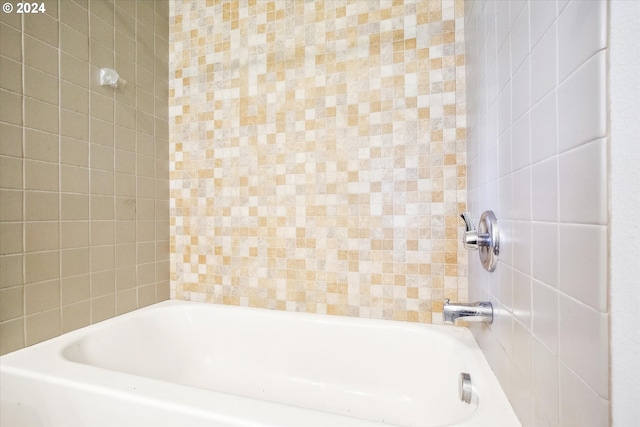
(481, 312)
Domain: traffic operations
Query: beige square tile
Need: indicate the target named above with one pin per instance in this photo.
(11, 206)
(10, 172)
(74, 234)
(41, 145)
(41, 206)
(76, 316)
(74, 98)
(11, 45)
(75, 289)
(41, 266)
(103, 308)
(41, 236)
(75, 16)
(11, 303)
(11, 270)
(74, 262)
(41, 175)
(74, 70)
(74, 206)
(12, 140)
(40, 55)
(42, 326)
(43, 27)
(12, 333)
(42, 296)
(11, 107)
(11, 77)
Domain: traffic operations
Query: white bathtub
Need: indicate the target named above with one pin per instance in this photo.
(189, 364)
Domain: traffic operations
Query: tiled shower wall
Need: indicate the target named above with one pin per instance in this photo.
(537, 150)
(317, 153)
(84, 190)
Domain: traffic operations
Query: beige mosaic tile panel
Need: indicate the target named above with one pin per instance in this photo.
(318, 155)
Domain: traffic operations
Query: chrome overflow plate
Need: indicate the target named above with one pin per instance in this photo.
(464, 387)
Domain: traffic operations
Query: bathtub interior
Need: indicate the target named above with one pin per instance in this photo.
(374, 370)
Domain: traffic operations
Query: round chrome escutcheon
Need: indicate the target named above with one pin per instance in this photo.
(489, 254)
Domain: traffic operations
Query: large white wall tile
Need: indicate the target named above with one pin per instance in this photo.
(584, 343)
(521, 143)
(545, 384)
(543, 65)
(522, 195)
(582, 115)
(583, 184)
(543, 13)
(544, 128)
(519, 35)
(504, 64)
(505, 294)
(522, 298)
(504, 109)
(545, 315)
(579, 404)
(582, 264)
(544, 252)
(520, 85)
(504, 154)
(582, 31)
(522, 349)
(544, 188)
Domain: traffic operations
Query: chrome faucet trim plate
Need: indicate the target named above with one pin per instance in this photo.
(486, 239)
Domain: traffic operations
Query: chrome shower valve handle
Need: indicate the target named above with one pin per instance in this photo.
(486, 239)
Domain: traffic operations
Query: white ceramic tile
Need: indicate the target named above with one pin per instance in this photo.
(579, 404)
(505, 198)
(520, 90)
(584, 343)
(540, 415)
(544, 128)
(491, 123)
(504, 154)
(503, 23)
(545, 381)
(504, 109)
(501, 327)
(544, 318)
(543, 13)
(520, 36)
(506, 247)
(490, 28)
(543, 65)
(522, 298)
(520, 396)
(521, 143)
(583, 264)
(583, 184)
(492, 159)
(582, 31)
(505, 276)
(522, 195)
(504, 64)
(582, 104)
(544, 252)
(522, 349)
(522, 246)
(544, 190)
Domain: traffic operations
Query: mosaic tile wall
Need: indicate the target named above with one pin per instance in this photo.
(317, 155)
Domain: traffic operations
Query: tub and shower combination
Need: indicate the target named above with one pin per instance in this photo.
(180, 363)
